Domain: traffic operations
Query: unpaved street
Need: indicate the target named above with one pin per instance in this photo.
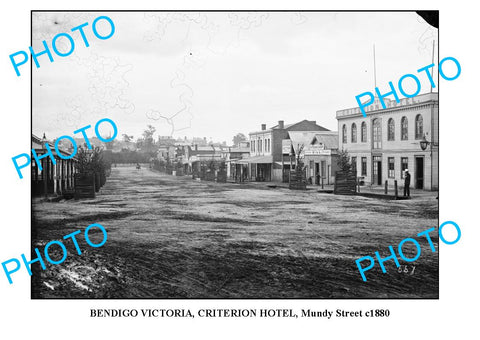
(174, 237)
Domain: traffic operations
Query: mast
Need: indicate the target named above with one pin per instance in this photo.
(433, 62)
(374, 68)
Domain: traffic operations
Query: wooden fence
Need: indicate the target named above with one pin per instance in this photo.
(298, 181)
(345, 183)
(84, 186)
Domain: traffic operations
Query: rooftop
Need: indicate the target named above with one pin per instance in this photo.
(308, 125)
(390, 104)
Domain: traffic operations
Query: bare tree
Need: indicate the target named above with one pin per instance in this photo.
(298, 155)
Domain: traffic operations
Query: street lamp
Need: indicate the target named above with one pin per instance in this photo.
(424, 143)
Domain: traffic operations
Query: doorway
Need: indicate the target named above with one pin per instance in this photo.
(377, 170)
(419, 172)
(323, 171)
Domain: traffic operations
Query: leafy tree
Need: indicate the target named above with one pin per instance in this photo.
(92, 160)
(148, 134)
(147, 143)
(127, 138)
(343, 161)
(239, 137)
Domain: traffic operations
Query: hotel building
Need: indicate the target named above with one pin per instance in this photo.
(387, 141)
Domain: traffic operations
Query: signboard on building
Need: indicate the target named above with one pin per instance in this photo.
(317, 152)
(317, 149)
(286, 146)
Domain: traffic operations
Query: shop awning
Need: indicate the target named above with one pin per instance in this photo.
(257, 160)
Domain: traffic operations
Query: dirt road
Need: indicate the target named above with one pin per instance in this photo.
(174, 237)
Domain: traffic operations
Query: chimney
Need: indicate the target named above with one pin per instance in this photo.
(264, 127)
(280, 124)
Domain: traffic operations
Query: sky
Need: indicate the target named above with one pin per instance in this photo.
(216, 74)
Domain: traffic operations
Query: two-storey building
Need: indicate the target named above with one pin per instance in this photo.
(267, 161)
(387, 142)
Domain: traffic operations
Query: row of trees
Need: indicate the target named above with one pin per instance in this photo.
(128, 156)
(147, 143)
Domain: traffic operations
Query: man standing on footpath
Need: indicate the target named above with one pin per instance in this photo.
(406, 187)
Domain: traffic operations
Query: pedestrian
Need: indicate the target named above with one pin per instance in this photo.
(406, 187)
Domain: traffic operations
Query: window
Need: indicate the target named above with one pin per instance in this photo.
(364, 132)
(404, 161)
(354, 165)
(418, 127)
(269, 145)
(404, 128)
(391, 167)
(391, 129)
(364, 166)
(259, 145)
(344, 134)
(354, 133)
(377, 134)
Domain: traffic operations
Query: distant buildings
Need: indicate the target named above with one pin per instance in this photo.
(388, 141)
(196, 155)
(232, 156)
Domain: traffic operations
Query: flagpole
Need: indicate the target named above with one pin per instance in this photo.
(433, 62)
(374, 68)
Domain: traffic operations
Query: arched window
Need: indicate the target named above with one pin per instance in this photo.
(364, 132)
(391, 129)
(354, 133)
(344, 134)
(418, 127)
(377, 134)
(404, 128)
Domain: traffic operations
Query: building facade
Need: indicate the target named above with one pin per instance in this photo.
(267, 161)
(318, 151)
(232, 155)
(48, 178)
(387, 142)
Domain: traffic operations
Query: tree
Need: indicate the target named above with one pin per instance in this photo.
(148, 133)
(239, 137)
(92, 160)
(299, 163)
(127, 138)
(146, 144)
(343, 161)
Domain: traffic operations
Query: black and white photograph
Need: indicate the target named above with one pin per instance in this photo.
(224, 155)
(239, 170)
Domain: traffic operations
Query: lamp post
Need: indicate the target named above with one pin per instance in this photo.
(424, 143)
